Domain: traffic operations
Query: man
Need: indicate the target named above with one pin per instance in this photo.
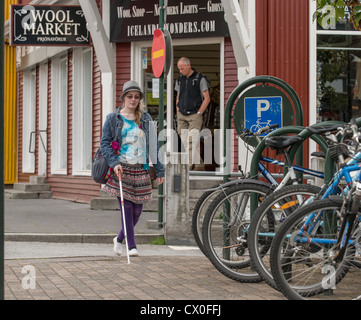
(193, 99)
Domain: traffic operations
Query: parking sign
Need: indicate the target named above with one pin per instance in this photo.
(261, 112)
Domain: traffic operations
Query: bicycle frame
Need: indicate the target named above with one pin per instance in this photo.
(242, 200)
(344, 172)
(263, 170)
(353, 165)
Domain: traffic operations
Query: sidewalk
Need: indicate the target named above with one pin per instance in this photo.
(53, 220)
(68, 247)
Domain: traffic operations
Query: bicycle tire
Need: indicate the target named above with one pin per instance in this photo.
(198, 215)
(304, 253)
(232, 260)
(265, 222)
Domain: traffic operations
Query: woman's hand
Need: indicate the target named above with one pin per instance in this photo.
(118, 170)
(160, 181)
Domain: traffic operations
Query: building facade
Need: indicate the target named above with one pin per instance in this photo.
(10, 114)
(64, 93)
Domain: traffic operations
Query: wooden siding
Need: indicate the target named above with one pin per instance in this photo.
(97, 105)
(48, 130)
(230, 83)
(69, 187)
(283, 44)
(123, 63)
(21, 176)
(10, 116)
(37, 95)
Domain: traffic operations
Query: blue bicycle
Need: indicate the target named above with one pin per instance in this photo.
(271, 213)
(227, 219)
(319, 245)
(266, 187)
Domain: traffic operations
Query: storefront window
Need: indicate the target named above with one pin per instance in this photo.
(82, 111)
(338, 73)
(29, 121)
(59, 115)
(151, 86)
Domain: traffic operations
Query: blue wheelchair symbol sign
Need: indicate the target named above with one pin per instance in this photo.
(262, 112)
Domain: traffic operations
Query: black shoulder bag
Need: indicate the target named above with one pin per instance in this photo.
(99, 166)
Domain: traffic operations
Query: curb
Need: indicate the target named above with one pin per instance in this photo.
(75, 238)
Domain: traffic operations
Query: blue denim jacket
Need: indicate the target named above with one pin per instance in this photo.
(147, 125)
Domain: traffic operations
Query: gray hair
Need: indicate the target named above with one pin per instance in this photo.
(185, 61)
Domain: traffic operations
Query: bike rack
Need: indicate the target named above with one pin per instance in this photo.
(295, 151)
(293, 100)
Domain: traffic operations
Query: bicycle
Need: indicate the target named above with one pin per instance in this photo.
(226, 222)
(305, 264)
(272, 212)
(316, 246)
(210, 194)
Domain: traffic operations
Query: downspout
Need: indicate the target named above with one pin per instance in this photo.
(105, 53)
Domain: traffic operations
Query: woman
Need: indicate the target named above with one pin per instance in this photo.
(128, 155)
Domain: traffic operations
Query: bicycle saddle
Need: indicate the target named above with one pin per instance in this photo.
(282, 142)
(323, 130)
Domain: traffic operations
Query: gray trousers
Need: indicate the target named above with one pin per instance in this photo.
(189, 128)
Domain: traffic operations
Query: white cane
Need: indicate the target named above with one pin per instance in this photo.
(123, 217)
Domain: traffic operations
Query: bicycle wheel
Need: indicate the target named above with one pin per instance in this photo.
(266, 220)
(225, 227)
(198, 215)
(303, 260)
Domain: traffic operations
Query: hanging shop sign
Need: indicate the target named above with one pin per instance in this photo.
(48, 26)
(137, 20)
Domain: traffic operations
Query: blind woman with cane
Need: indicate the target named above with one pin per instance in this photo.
(128, 155)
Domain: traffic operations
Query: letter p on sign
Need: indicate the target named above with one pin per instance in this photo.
(262, 105)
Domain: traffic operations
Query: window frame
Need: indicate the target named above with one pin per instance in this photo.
(29, 125)
(59, 115)
(81, 133)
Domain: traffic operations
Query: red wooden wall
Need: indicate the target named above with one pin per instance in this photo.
(282, 46)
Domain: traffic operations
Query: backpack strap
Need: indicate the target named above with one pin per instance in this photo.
(199, 79)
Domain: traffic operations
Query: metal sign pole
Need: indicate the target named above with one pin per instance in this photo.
(161, 119)
(2, 251)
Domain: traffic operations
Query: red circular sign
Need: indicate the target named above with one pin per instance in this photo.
(158, 53)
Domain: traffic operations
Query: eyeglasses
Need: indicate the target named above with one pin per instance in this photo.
(130, 97)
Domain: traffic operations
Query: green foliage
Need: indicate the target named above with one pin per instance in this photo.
(159, 241)
(330, 11)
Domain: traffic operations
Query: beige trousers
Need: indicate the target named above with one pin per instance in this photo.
(189, 128)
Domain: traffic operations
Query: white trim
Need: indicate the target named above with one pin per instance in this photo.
(245, 73)
(57, 116)
(43, 119)
(338, 32)
(105, 51)
(238, 31)
(312, 107)
(29, 107)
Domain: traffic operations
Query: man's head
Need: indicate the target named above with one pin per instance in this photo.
(184, 66)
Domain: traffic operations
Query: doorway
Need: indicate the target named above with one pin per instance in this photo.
(205, 59)
(207, 56)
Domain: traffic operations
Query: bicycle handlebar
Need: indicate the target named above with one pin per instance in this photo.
(246, 131)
